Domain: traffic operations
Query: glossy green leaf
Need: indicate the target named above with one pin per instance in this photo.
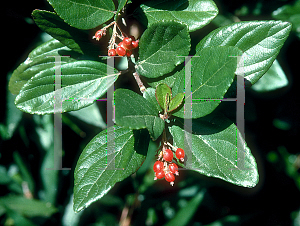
(37, 61)
(212, 73)
(175, 102)
(161, 46)
(73, 38)
(94, 176)
(213, 150)
(260, 41)
(135, 112)
(274, 78)
(84, 14)
(149, 95)
(195, 13)
(21, 205)
(82, 83)
(121, 5)
(90, 115)
(162, 93)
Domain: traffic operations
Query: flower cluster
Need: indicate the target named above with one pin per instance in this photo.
(123, 48)
(164, 167)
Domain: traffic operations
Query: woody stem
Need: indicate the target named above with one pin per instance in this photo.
(139, 82)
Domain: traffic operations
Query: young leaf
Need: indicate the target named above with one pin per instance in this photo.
(82, 83)
(135, 112)
(84, 14)
(211, 75)
(162, 93)
(213, 150)
(175, 102)
(161, 46)
(94, 176)
(37, 61)
(51, 23)
(196, 14)
(260, 41)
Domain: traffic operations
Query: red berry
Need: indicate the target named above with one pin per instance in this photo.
(121, 51)
(159, 175)
(111, 52)
(180, 154)
(168, 155)
(158, 166)
(121, 44)
(99, 34)
(128, 53)
(173, 168)
(126, 44)
(132, 37)
(127, 41)
(170, 177)
(135, 44)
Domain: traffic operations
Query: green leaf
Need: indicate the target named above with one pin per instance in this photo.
(274, 78)
(44, 130)
(135, 112)
(37, 61)
(90, 115)
(162, 93)
(121, 4)
(149, 95)
(73, 38)
(195, 13)
(17, 218)
(82, 83)
(94, 176)
(260, 41)
(213, 150)
(161, 47)
(84, 14)
(21, 205)
(212, 73)
(175, 102)
(4, 177)
(289, 13)
(12, 116)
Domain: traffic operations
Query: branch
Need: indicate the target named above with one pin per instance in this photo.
(139, 82)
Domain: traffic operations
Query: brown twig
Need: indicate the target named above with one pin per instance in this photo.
(139, 82)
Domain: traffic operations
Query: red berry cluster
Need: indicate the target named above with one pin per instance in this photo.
(164, 167)
(125, 47)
